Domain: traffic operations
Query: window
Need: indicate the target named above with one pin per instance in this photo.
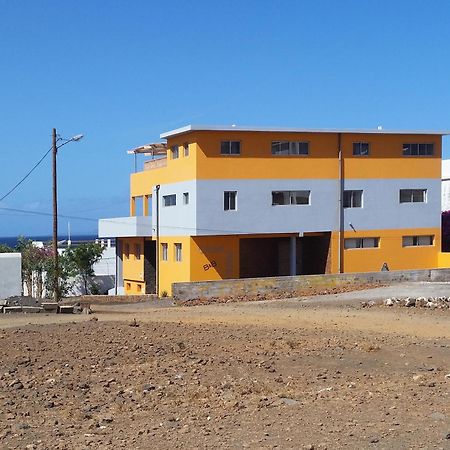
(290, 148)
(413, 195)
(418, 149)
(353, 199)
(360, 148)
(164, 252)
(139, 287)
(369, 242)
(230, 148)
(417, 241)
(137, 251)
(178, 249)
(169, 200)
(229, 200)
(186, 149)
(126, 251)
(175, 153)
(128, 286)
(185, 198)
(290, 198)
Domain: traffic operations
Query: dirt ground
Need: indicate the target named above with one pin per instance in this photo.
(293, 374)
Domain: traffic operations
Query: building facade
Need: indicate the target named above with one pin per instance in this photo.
(236, 202)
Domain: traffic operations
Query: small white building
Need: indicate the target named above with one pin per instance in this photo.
(10, 275)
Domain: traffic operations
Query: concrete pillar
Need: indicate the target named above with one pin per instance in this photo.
(293, 255)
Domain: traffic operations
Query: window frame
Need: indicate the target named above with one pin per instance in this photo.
(290, 144)
(410, 145)
(357, 145)
(291, 194)
(185, 198)
(230, 144)
(416, 240)
(164, 251)
(228, 197)
(361, 240)
(178, 251)
(137, 252)
(412, 192)
(174, 150)
(352, 198)
(185, 150)
(165, 197)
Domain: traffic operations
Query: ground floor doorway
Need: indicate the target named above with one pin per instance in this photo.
(285, 255)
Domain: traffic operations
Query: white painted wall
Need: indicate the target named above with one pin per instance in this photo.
(10, 274)
(178, 220)
(382, 208)
(256, 214)
(445, 200)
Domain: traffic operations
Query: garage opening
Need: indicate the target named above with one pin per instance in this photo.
(271, 257)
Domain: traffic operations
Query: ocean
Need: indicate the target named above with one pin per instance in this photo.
(12, 241)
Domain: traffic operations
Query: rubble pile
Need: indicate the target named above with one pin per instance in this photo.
(32, 305)
(419, 302)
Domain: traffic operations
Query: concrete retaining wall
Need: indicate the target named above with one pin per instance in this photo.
(10, 274)
(272, 285)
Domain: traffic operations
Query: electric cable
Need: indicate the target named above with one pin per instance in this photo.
(26, 176)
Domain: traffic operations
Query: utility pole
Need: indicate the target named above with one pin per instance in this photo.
(157, 240)
(55, 221)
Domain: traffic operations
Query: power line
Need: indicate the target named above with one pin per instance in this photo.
(26, 176)
(175, 227)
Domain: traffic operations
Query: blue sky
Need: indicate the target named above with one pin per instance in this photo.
(123, 72)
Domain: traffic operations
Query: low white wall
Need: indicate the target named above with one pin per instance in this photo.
(10, 274)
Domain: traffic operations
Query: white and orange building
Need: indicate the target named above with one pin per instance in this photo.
(220, 202)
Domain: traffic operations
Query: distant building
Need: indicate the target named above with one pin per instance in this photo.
(237, 202)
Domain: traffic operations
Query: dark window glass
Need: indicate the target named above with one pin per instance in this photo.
(352, 199)
(229, 200)
(230, 147)
(360, 148)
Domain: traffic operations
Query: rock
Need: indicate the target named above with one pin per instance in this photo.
(288, 401)
(374, 440)
(447, 436)
(409, 302)
(421, 302)
(437, 416)
(148, 387)
(388, 302)
(133, 323)
(93, 319)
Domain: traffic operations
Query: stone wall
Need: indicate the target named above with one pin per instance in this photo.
(253, 286)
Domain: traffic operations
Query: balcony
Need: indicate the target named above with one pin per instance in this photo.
(137, 226)
(155, 164)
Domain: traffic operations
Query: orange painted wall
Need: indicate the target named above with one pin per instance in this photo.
(214, 257)
(256, 160)
(133, 268)
(386, 158)
(181, 169)
(392, 252)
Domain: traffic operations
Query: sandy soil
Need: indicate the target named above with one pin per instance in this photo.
(287, 374)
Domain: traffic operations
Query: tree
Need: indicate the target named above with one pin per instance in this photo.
(6, 249)
(36, 261)
(81, 259)
(66, 273)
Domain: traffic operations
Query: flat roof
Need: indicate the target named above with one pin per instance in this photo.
(189, 128)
